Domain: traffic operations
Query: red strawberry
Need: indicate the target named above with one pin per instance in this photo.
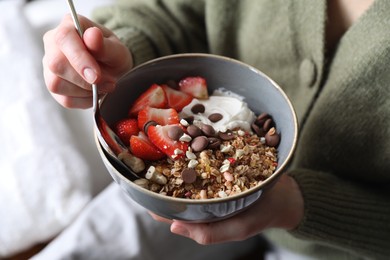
(125, 128)
(163, 116)
(195, 86)
(154, 96)
(158, 135)
(176, 99)
(142, 148)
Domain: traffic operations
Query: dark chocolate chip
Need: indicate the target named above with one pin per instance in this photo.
(147, 124)
(189, 119)
(215, 117)
(228, 135)
(199, 143)
(188, 175)
(268, 124)
(214, 143)
(175, 132)
(258, 131)
(194, 131)
(260, 120)
(272, 138)
(198, 108)
(208, 130)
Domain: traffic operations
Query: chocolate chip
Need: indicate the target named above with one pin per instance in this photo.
(199, 143)
(215, 117)
(228, 135)
(175, 132)
(189, 119)
(188, 175)
(260, 120)
(147, 124)
(272, 138)
(198, 108)
(214, 143)
(208, 130)
(194, 131)
(258, 131)
(268, 124)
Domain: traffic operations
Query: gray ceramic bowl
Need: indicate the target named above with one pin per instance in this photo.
(260, 92)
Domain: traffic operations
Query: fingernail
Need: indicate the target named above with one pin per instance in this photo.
(180, 230)
(89, 75)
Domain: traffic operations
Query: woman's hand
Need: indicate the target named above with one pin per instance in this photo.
(279, 207)
(72, 64)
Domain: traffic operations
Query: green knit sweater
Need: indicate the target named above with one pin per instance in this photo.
(342, 162)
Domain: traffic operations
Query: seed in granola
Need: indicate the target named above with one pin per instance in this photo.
(184, 122)
(199, 143)
(185, 138)
(198, 108)
(272, 138)
(190, 155)
(188, 175)
(194, 131)
(215, 117)
(175, 132)
(192, 163)
(214, 143)
(226, 136)
(208, 130)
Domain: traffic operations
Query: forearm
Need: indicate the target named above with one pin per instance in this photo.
(343, 213)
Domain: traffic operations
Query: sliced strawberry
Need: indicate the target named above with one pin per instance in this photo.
(158, 135)
(142, 148)
(154, 96)
(125, 128)
(176, 99)
(195, 86)
(162, 116)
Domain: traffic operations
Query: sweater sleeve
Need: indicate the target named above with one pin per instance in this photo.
(343, 214)
(156, 27)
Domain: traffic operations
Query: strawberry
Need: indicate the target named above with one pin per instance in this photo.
(176, 99)
(195, 86)
(158, 135)
(162, 116)
(125, 128)
(142, 148)
(154, 96)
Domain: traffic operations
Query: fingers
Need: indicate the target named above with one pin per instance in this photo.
(73, 102)
(72, 47)
(233, 229)
(160, 219)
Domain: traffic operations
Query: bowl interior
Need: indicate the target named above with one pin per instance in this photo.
(259, 91)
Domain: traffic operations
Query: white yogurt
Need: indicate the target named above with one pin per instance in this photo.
(235, 112)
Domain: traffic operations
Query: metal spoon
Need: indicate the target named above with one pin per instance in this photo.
(111, 143)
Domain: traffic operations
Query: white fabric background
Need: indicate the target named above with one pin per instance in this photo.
(49, 168)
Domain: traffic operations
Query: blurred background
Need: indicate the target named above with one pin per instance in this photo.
(49, 166)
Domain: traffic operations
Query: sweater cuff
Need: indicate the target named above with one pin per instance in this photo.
(140, 47)
(340, 210)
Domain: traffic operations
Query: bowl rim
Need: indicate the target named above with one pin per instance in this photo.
(234, 197)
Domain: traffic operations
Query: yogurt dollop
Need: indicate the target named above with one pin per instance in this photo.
(235, 113)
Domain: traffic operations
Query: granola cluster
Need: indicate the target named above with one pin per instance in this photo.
(237, 164)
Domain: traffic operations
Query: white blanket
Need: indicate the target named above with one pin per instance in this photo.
(49, 167)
